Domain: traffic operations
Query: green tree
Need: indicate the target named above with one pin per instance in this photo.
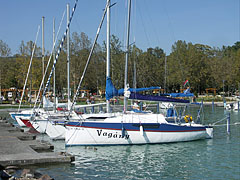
(4, 49)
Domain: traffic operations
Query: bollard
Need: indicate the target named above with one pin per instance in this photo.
(228, 124)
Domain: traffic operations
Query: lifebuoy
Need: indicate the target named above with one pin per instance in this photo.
(188, 118)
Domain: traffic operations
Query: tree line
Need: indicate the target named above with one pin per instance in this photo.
(203, 66)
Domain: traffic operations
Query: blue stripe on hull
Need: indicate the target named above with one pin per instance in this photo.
(14, 115)
(151, 127)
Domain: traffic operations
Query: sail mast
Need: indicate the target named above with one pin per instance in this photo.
(126, 59)
(108, 50)
(68, 57)
(165, 75)
(54, 71)
(43, 47)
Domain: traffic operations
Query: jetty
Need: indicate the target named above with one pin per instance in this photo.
(21, 148)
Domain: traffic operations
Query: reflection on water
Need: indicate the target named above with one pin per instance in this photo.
(216, 158)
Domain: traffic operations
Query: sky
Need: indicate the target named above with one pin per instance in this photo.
(153, 22)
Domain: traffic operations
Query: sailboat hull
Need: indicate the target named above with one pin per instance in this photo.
(91, 133)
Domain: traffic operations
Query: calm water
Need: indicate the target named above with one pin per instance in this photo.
(217, 158)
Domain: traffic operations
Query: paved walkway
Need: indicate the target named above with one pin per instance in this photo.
(22, 148)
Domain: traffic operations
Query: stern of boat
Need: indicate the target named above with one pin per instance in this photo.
(209, 131)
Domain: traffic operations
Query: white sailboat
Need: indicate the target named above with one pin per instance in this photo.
(51, 122)
(130, 127)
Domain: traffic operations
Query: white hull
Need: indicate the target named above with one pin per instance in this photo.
(40, 126)
(54, 127)
(131, 129)
(88, 136)
(23, 115)
(56, 131)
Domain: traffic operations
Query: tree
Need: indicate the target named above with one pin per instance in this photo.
(5, 51)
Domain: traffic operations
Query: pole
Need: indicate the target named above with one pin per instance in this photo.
(43, 50)
(54, 72)
(108, 50)
(165, 77)
(223, 89)
(238, 106)
(89, 57)
(30, 75)
(134, 78)
(68, 56)
(126, 60)
(212, 105)
(228, 124)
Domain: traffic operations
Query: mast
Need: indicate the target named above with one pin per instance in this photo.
(126, 59)
(108, 49)
(89, 57)
(54, 75)
(43, 47)
(68, 56)
(165, 76)
(30, 96)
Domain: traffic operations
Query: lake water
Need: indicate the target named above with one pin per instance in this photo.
(217, 158)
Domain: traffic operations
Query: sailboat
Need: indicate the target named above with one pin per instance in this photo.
(51, 122)
(131, 127)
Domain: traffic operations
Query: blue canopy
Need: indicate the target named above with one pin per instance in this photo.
(156, 98)
(111, 91)
(181, 94)
(121, 91)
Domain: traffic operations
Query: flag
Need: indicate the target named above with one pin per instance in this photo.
(185, 83)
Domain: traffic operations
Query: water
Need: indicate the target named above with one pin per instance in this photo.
(217, 158)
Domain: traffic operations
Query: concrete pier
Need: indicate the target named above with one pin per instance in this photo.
(22, 148)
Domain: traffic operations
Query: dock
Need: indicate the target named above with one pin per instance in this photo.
(21, 148)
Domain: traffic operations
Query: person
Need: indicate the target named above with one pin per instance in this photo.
(136, 106)
(194, 98)
(87, 101)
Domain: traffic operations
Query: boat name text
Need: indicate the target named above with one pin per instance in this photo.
(112, 135)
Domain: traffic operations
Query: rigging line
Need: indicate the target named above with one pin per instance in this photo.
(29, 67)
(48, 63)
(144, 28)
(89, 57)
(151, 21)
(60, 49)
(174, 38)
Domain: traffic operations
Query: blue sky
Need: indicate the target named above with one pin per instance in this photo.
(154, 22)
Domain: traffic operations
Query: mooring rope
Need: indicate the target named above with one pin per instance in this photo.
(219, 121)
(237, 123)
